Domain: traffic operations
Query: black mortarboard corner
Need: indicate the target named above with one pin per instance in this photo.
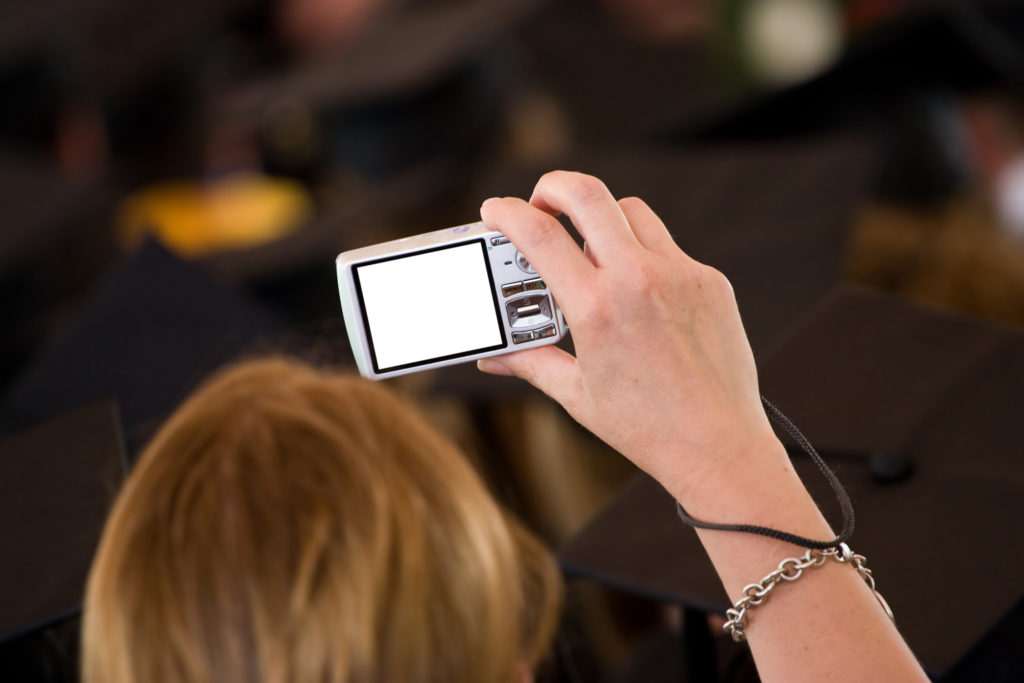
(57, 481)
(151, 331)
(865, 374)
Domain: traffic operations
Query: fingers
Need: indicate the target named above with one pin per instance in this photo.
(544, 242)
(650, 230)
(592, 209)
(548, 368)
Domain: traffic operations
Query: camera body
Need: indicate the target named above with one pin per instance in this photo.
(441, 298)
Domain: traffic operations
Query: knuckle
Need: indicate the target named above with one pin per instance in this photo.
(641, 282)
(717, 281)
(552, 177)
(653, 274)
(585, 188)
(645, 276)
(632, 203)
(571, 185)
(536, 231)
(714, 285)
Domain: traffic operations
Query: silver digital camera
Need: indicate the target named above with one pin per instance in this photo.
(444, 297)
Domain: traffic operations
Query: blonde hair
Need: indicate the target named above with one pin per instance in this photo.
(289, 525)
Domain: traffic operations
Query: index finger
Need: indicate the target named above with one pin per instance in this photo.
(543, 241)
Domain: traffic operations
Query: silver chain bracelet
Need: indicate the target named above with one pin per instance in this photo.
(791, 569)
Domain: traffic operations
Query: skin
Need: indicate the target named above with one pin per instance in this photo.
(681, 401)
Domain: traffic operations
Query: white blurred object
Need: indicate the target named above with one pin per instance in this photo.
(791, 40)
(1009, 188)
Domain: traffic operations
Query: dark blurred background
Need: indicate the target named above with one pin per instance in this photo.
(176, 179)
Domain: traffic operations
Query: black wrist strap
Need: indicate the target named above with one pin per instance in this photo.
(776, 416)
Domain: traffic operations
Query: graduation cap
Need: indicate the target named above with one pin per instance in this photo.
(957, 46)
(57, 481)
(897, 79)
(612, 84)
(425, 84)
(117, 39)
(32, 224)
(50, 248)
(404, 51)
(862, 374)
(151, 331)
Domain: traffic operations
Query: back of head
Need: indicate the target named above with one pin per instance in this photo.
(291, 525)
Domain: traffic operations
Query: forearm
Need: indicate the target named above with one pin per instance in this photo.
(828, 616)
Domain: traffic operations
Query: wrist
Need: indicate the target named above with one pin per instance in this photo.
(757, 487)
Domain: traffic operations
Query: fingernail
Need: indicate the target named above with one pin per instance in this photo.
(493, 367)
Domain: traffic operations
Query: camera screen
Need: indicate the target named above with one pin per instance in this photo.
(429, 306)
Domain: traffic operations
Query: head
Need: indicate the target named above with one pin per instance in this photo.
(288, 524)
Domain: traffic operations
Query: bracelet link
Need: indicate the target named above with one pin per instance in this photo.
(791, 569)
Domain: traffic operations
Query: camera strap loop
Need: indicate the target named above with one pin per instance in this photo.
(776, 416)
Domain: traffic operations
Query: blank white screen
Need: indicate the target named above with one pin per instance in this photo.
(429, 305)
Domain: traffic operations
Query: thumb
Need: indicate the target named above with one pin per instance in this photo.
(548, 368)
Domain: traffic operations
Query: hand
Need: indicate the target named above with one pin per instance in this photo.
(663, 371)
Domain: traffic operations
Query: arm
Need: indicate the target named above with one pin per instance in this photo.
(664, 374)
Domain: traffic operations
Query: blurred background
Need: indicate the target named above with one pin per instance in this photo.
(176, 179)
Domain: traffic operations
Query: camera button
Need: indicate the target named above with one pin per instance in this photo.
(529, 311)
(498, 241)
(511, 288)
(522, 337)
(534, 284)
(544, 332)
(523, 264)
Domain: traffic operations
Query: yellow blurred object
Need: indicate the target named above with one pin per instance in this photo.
(198, 218)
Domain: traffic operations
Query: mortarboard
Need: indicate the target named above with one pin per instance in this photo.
(933, 47)
(150, 331)
(678, 88)
(115, 39)
(404, 51)
(50, 247)
(57, 480)
(613, 85)
(424, 86)
(40, 206)
(864, 373)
